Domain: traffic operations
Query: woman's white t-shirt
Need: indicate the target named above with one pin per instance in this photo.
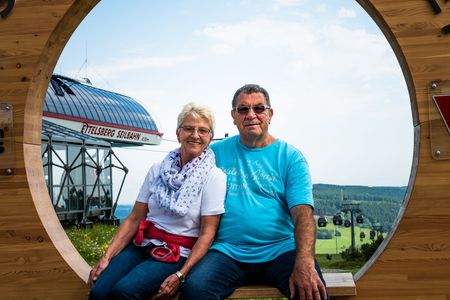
(210, 201)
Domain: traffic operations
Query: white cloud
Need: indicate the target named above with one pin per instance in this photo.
(286, 3)
(334, 48)
(118, 67)
(346, 13)
(260, 33)
(221, 49)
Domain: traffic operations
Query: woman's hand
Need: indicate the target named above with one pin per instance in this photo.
(121, 239)
(97, 270)
(169, 287)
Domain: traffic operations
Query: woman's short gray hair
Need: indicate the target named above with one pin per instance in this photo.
(198, 111)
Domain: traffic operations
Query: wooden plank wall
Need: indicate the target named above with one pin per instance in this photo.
(37, 261)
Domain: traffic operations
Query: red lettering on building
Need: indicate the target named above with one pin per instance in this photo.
(97, 130)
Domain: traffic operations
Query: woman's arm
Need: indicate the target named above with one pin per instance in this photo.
(122, 238)
(208, 230)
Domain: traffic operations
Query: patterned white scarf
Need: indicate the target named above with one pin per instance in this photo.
(177, 187)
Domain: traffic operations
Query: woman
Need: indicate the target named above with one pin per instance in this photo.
(173, 221)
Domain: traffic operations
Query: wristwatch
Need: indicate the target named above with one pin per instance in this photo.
(180, 276)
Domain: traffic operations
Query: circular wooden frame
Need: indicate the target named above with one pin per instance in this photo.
(38, 260)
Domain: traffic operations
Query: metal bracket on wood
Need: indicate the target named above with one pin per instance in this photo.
(9, 6)
(7, 156)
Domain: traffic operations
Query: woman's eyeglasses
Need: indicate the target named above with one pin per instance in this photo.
(244, 109)
(201, 130)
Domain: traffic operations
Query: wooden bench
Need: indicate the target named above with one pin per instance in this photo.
(338, 284)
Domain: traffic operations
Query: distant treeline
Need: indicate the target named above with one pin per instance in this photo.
(378, 204)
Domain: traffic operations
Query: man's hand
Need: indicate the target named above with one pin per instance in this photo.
(306, 283)
(97, 270)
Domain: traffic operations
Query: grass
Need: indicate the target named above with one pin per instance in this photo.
(343, 242)
(91, 243)
(338, 263)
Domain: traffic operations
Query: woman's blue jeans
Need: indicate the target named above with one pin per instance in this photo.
(217, 275)
(132, 274)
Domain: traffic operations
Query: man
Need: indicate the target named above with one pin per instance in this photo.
(267, 234)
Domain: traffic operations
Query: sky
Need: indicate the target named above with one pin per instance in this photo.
(337, 90)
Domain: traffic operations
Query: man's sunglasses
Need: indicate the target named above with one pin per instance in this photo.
(244, 109)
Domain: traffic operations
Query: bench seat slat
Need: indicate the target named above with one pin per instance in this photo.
(338, 284)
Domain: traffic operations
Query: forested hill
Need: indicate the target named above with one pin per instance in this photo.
(379, 204)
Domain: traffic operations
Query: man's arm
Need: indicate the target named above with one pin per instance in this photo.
(304, 279)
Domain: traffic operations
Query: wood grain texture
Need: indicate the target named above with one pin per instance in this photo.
(415, 261)
(38, 262)
(338, 284)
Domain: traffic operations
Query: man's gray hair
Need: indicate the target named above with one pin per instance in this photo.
(250, 89)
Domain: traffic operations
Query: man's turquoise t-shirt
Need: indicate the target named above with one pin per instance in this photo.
(262, 185)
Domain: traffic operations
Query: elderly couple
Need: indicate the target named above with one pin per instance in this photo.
(203, 233)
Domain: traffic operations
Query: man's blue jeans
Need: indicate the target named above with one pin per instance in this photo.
(132, 274)
(217, 275)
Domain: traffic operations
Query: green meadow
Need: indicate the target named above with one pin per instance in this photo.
(329, 246)
(91, 243)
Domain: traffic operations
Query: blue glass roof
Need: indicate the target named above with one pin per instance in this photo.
(71, 99)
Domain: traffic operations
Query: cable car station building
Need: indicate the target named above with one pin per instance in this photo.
(81, 126)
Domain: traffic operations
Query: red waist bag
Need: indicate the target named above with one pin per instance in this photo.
(169, 253)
